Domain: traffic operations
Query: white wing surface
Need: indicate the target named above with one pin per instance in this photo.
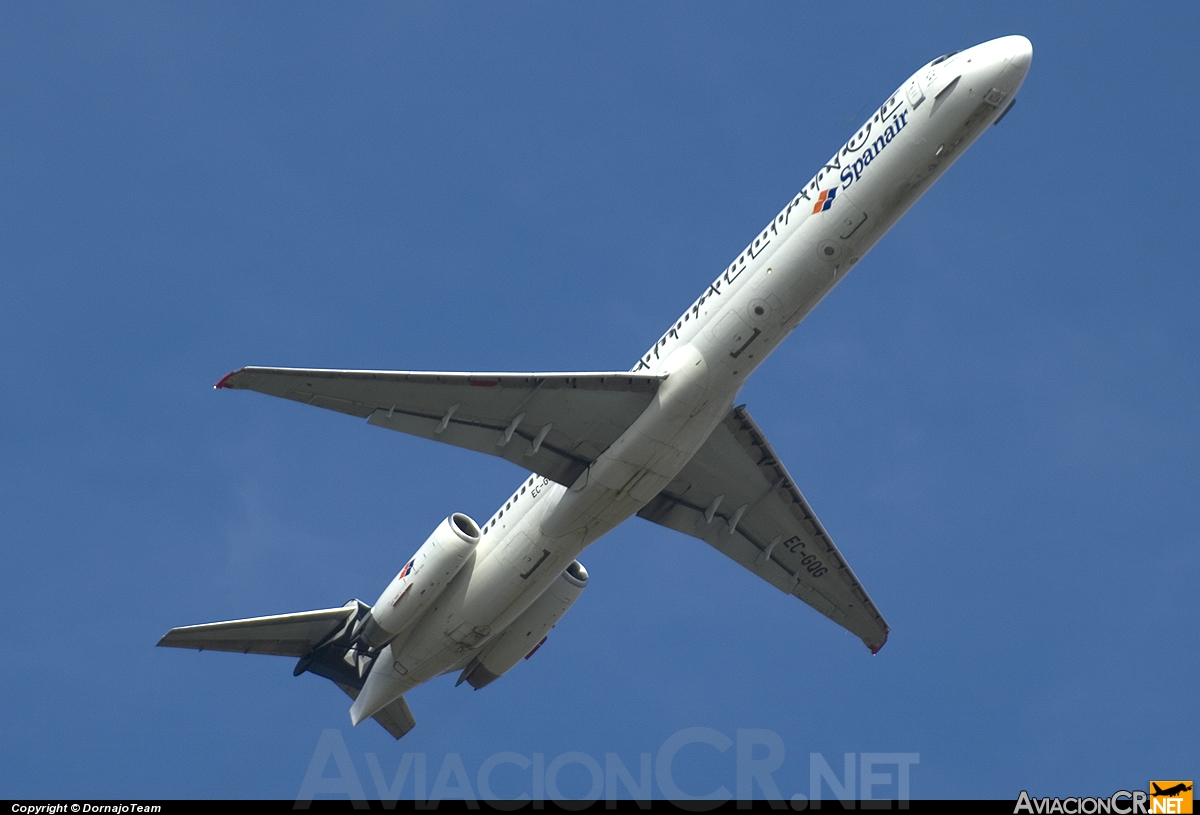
(737, 496)
(553, 424)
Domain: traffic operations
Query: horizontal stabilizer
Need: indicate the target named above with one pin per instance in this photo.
(284, 635)
(552, 424)
(396, 716)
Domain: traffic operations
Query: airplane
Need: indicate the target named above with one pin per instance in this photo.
(1170, 792)
(663, 441)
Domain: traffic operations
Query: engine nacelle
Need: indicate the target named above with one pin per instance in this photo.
(527, 632)
(421, 580)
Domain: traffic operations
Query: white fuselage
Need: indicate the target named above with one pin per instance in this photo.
(712, 348)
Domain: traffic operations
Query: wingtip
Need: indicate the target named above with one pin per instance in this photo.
(875, 649)
(167, 642)
(224, 382)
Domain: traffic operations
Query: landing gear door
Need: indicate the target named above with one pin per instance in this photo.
(915, 95)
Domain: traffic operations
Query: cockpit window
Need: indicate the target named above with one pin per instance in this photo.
(944, 57)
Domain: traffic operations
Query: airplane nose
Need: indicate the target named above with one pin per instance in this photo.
(1003, 62)
(1013, 50)
(1020, 52)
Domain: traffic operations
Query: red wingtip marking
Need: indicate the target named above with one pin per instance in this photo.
(483, 383)
(878, 647)
(536, 647)
(224, 379)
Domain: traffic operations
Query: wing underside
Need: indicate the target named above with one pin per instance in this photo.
(737, 496)
(553, 424)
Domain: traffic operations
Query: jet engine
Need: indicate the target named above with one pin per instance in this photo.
(526, 633)
(423, 577)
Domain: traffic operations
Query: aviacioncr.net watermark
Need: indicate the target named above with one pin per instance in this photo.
(746, 766)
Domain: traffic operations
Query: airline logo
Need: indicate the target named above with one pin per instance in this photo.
(853, 173)
(406, 571)
(1171, 796)
(824, 200)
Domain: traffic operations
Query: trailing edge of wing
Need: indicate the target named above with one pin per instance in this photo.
(553, 424)
(737, 496)
(285, 635)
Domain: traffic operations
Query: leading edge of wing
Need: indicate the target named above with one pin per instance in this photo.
(243, 378)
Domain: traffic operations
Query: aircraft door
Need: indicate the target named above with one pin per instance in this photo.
(914, 93)
(840, 234)
(839, 229)
(850, 218)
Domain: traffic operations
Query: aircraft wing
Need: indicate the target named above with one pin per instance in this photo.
(283, 635)
(553, 424)
(737, 496)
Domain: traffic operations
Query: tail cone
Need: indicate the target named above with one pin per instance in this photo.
(384, 684)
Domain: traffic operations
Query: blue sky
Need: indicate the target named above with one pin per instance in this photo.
(995, 415)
